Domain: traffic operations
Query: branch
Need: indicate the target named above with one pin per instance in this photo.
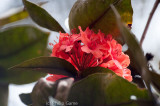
(149, 20)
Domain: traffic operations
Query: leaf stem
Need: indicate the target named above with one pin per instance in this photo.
(149, 20)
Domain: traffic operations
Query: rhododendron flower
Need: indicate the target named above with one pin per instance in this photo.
(88, 49)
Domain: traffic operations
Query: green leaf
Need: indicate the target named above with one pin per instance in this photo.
(97, 14)
(103, 89)
(26, 98)
(93, 70)
(16, 39)
(42, 17)
(20, 14)
(135, 51)
(52, 65)
(18, 44)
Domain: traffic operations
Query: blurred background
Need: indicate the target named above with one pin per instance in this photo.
(60, 9)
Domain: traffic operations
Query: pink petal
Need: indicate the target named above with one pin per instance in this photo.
(127, 74)
(54, 78)
(85, 49)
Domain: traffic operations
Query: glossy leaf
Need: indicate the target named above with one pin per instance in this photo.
(26, 98)
(18, 44)
(102, 89)
(97, 14)
(42, 17)
(135, 51)
(52, 65)
(93, 70)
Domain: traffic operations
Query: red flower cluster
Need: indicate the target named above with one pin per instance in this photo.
(88, 49)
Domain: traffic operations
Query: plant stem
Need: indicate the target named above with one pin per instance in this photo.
(4, 94)
(149, 20)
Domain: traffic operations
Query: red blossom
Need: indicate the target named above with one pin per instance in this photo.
(55, 77)
(88, 49)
